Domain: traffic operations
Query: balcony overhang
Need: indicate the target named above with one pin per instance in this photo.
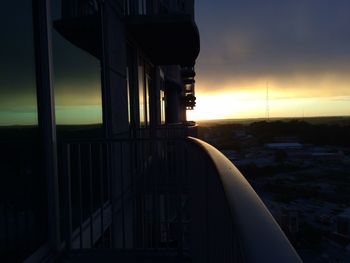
(166, 39)
(83, 32)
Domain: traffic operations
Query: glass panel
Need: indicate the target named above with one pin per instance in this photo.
(142, 108)
(162, 107)
(23, 205)
(148, 85)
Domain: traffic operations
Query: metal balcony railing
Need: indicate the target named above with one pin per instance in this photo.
(175, 197)
(82, 8)
(154, 7)
(72, 9)
(126, 195)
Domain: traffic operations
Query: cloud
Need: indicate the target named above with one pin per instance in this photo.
(281, 41)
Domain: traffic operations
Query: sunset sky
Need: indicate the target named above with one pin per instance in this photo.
(299, 49)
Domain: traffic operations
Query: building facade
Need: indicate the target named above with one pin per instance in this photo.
(109, 67)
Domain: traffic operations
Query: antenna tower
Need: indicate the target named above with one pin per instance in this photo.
(267, 102)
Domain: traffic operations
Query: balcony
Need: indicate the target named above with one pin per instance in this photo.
(163, 200)
(166, 39)
(80, 24)
(166, 32)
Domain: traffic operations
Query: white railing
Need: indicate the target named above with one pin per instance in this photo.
(231, 223)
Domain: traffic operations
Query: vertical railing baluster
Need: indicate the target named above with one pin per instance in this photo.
(16, 228)
(207, 225)
(177, 174)
(67, 197)
(159, 190)
(137, 7)
(167, 193)
(122, 192)
(143, 194)
(134, 167)
(26, 209)
(91, 195)
(150, 180)
(128, 7)
(110, 170)
(148, 195)
(6, 226)
(2, 226)
(131, 7)
(81, 243)
(188, 189)
(154, 194)
(138, 194)
(101, 170)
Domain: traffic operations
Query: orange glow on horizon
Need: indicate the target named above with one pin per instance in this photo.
(295, 95)
(252, 104)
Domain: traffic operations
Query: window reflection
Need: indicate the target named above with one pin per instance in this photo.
(77, 80)
(23, 199)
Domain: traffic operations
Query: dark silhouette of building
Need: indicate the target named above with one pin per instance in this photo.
(97, 162)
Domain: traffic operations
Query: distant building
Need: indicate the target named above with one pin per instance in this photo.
(284, 139)
(230, 154)
(342, 222)
(288, 219)
(284, 146)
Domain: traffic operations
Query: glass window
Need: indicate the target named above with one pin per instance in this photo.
(23, 196)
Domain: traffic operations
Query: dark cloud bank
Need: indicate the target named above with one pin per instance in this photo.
(250, 39)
